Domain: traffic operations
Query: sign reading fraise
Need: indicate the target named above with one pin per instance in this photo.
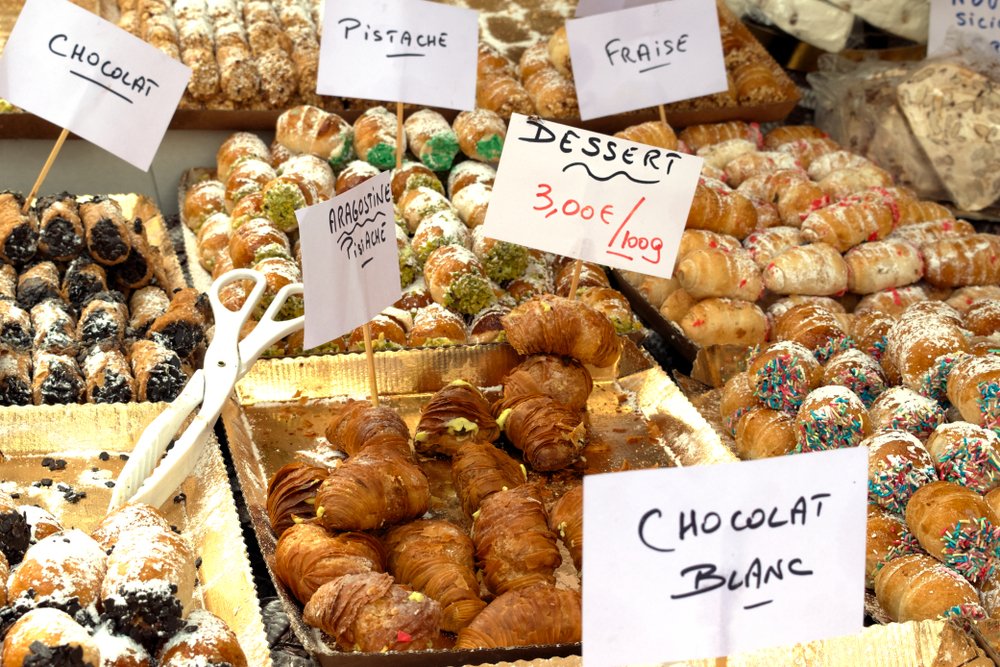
(590, 196)
(678, 570)
(404, 50)
(85, 74)
(350, 263)
(646, 55)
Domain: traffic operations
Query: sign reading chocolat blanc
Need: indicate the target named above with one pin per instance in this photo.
(83, 73)
(644, 56)
(350, 263)
(708, 561)
(400, 50)
(586, 195)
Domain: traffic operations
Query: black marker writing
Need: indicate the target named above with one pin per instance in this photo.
(394, 37)
(755, 577)
(103, 67)
(644, 52)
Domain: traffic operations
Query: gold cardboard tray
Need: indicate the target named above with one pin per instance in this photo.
(207, 516)
(640, 420)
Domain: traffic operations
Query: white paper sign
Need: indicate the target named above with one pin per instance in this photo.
(591, 7)
(586, 195)
(977, 20)
(350, 263)
(83, 73)
(708, 561)
(644, 56)
(400, 50)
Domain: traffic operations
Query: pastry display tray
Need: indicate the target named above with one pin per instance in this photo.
(279, 411)
(95, 441)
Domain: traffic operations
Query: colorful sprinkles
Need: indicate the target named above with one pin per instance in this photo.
(972, 463)
(989, 405)
(970, 610)
(892, 486)
(832, 347)
(934, 382)
(971, 548)
(830, 427)
(781, 383)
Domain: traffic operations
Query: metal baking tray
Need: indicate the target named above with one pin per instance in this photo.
(92, 439)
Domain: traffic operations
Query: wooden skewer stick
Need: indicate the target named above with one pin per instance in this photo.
(663, 116)
(370, 354)
(45, 170)
(575, 283)
(399, 135)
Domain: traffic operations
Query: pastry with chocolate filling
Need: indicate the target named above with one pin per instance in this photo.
(56, 379)
(308, 556)
(566, 520)
(370, 613)
(204, 639)
(291, 495)
(560, 378)
(145, 305)
(48, 636)
(15, 378)
(15, 327)
(55, 328)
(550, 324)
(479, 469)
(182, 327)
(124, 519)
(65, 569)
(358, 424)
(15, 532)
(106, 230)
(551, 435)
(37, 283)
(157, 371)
(108, 376)
(458, 413)
(18, 231)
(435, 557)
(139, 267)
(539, 615)
(60, 228)
(83, 279)
(104, 321)
(8, 282)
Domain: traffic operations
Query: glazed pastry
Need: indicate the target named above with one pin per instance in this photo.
(887, 538)
(552, 94)
(145, 305)
(813, 327)
(497, 87)
(904, 409)
(64, 569)
(15, 377)
(693, 240)
(60, 235)
(736, 400)
(249, 176)
(762, 432)
(920, 233)
(550, 434)
(898, 464)
(480, 134)
(103, 321)
(718, 272)
(560, 378)
(721, 211)
(291, 495)
(955, 525)
(201, 201)
(309, 129)
(431, 139)
(369, 613)
(958, 262)
(308, 556)
(357, 425)
(435, 557)
(157, 371)
(923, 348)
(816, 269)
(435, 325)
(765, 244)
(107, 377)
(551, 324)
(466, 173)
(880, 265)
(966, 454)
(375, 137)
(783, 374)
(541, 614)
(974, 388)
(105, 230)
(478, 470)
(723, 322)
(124, 519)
(48, 636)
(18, 231)
(37, 283)
(204, 639)
(55, 379)
(457, 414)
(16, 329)
(892, 301)
(698, 136)
(831, 418)
(917, 588)
(858, 372)
(514, 546)
(457, 280)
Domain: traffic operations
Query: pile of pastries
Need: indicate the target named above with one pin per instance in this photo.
(362, 546)
(84, 315)
(457, 283)
(118, 597)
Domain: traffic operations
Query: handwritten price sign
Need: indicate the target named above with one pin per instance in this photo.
(590, 196)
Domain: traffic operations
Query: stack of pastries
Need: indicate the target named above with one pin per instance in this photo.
(371, 558)
(84, 315)
(118, 597)
(457, 283)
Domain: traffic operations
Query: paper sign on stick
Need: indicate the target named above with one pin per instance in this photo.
(591, 196)
(978, 21)
(591, 7)
(85, 74)
(350, 264)
(406, 50)
(708, 561)
(647, 55)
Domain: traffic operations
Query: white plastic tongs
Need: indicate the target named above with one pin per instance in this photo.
(227, 359)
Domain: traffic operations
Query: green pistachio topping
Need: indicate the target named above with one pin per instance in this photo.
(382, 155)
(440, 151)
(506, 261)
(345, 152)
(502, 420)
(469, 293)
(489, 149)
(280, 203)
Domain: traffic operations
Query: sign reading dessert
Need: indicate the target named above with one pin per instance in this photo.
(350, 264)
(586, 195)
(978, 21)
(82, 73)
(644, 56)
(400, 50)
(707, 561)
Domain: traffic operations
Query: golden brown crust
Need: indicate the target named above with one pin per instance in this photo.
(45, 634)
(455, 415)
(550, 324)
(61, 567)
(917, 587)
(308, 556)
(763, 432)
(561, 378)
(566, 520)
(106, 231)
(358, 424)
(551, 435)
(126, 518)
(479, 470)
(204, 639)
(537, 615)
(291, 495)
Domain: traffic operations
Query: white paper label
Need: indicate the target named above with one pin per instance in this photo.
(586, 195)
(978, 20)
(591, 7)
(350, 263)
(708, 561)
(83, 73)
(400, 50)
(644, 56)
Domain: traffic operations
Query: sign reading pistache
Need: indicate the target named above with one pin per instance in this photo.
(677, 569)
(350, 264)
(404, 50)
(590, 196)
(82, 73)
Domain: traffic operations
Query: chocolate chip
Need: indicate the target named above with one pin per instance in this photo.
(123, 457)
(180, 497)
(104, 456)
(47, 461)
(15, 496)
(197, 562)
(109, 484)
(45, 481)
(58, 464)
(175, 529)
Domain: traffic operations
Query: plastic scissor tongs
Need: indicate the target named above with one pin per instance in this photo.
(148, 479)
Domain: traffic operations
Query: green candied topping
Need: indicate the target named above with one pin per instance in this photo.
(271, 250)
(335, 346)
(439, 342)
(383, 343)
(459, 383)
(407, 273)
(489, 149)
(469, 293)
(6, 107)
(625, 325)
(280, 203)
(382, 155)
(292, 308)
(440, 151)
(502, 421)
(432, 207)
(248, 188)
(506, 261)
(421, 436)
(340, 157)
(421, 180)
(461, 426)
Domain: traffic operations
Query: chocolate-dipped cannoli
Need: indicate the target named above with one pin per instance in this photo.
(182, 327)
(83, 278)
(8, 281)
(478, 470)
(37, 283)
(18, 231)
(56, 379)
(455, 415)
(145, 305)
(15, 380)
(104, 321)
(106, 230)
(550, 434)
(157, 371)
(15, 327)
(55, 328)
(60, 228)
(108, 377)
(139, 266)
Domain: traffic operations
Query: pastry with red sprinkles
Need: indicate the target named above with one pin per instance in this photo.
(831, 418)
(886, 538)
(974, 388)
(783, 374)
(898, 464)
(858, 372)
(905, 409)
(966, 454)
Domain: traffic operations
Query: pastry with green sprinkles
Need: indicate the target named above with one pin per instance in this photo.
(411, 175)
(898, 465)
(431, 139)
(248, 208)
(439, 229)
(858, 372)
(481, 134)
(278, 272)
(831, 418)
(966, 454)
(420, 203)
(457, 414)
(502, 261)
(309, 129)
(282, 197)
(257, 240)
(613, 305)
(375, 137)
(783, 374)
(471, 203)
(247, 177)
(457, 280)
(409, 267)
